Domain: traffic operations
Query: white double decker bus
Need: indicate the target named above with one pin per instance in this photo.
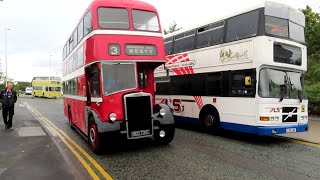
(243, 72)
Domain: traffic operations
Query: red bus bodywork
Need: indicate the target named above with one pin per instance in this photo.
(89, 111)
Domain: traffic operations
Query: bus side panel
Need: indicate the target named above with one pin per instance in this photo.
(81, 85)
(65, 107)
(81, 115)
(232, 110)
(237, 110)
(75, 119)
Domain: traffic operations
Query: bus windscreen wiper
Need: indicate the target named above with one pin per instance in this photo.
(283, 89)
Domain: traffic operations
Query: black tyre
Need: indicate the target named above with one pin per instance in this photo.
(164, 135)
(94, 138)
(210, 119)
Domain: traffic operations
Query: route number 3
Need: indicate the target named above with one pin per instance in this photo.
(114, 49)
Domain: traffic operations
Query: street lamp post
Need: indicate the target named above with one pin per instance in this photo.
(5, 54)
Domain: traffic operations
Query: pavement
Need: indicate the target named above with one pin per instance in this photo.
(312, 135)
(28, 152)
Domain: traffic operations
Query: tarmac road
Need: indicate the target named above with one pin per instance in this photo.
(196, 155)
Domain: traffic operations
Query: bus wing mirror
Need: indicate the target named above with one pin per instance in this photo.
(248, 80)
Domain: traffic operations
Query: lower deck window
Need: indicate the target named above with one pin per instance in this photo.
(224, 84)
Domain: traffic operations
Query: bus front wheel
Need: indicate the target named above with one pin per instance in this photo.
(210, 119)
(94, 137)
(164, 135)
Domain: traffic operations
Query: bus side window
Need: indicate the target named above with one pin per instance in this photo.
(242, 83)
(95, 80)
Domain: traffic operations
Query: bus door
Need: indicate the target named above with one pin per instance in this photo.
(87, 86)
(92, 78)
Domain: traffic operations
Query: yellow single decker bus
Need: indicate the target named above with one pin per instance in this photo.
(48, 87)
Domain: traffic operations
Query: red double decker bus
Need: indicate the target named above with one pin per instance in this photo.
(108, 64)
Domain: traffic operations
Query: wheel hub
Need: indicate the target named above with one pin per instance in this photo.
(209, 120)
(92, 135)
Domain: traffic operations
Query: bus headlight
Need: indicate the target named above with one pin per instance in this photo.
(162, 112)
(112, 117)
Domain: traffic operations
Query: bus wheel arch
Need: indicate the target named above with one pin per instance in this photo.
(209, 117)
(94, 137)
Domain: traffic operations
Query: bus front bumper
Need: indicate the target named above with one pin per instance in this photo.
(262, 130)
(265, 130)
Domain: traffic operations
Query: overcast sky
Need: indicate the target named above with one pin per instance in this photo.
(41, 27)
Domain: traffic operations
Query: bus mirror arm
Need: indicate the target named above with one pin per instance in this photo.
(167, 71)
(299, 96)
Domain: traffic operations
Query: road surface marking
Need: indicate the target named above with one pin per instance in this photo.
(83, 162)
(303, 142)
(59, 131)
(51, 130)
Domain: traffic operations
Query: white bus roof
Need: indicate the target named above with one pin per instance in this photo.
(293, 13)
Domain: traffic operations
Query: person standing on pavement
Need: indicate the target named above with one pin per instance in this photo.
(8, 97)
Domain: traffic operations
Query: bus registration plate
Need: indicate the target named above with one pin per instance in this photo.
(291, 130)
(140, 133)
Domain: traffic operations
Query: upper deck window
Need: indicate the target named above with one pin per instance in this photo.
(145, 20)
(87, 23)
(243, 26)
(284, 28)
(113, 18)
(296, 32)
(168, 42)
(210, 35)
(277, 26)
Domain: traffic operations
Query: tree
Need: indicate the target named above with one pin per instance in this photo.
(21, 85)
(172, 28)
(312, 76)
(312, 32)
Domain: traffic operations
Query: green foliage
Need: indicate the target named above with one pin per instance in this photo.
(312, 32)
(313, 94)
(173, 27)
(312, 76)
(22, 85)
(18, 86)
